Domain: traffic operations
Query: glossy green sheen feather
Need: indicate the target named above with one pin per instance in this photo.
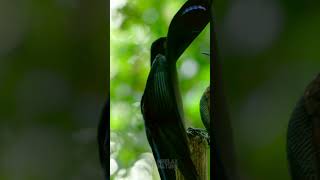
(165, 129)
(205, 109)
(300, 148)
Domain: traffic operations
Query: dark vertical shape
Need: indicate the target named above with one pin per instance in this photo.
(223, 147)
(104, 138)
(104, 121)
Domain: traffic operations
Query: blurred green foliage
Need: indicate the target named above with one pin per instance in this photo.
(53, 83)
(270, 53)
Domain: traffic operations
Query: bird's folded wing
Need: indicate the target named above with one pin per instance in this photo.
(300, 149)
(164, 125)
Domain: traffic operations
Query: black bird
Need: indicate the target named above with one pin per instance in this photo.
(303, 136)
(103, 138)
(163, 122)
(161, 104)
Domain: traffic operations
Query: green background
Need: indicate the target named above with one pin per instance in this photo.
(53, 83)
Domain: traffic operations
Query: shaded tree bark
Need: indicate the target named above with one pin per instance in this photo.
(198, 144)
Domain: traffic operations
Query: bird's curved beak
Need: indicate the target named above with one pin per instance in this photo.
(206, 53)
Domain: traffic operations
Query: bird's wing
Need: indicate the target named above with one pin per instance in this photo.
(300, 150)
(205, 109)
(312, 103)
(303, 136)
(164, 125)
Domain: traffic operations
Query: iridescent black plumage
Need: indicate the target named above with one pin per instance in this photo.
(205, 109)
(300, 149)
(161, 104)
(164, 125)
(303, 137)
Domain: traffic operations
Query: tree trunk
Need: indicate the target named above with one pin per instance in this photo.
(198, 144)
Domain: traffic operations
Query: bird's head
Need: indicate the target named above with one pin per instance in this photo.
(158, 47)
